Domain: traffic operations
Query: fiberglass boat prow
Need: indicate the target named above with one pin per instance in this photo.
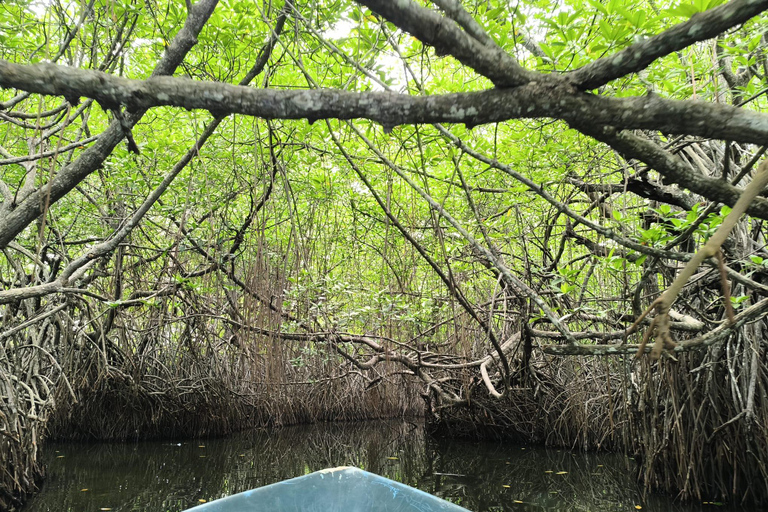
(342, 489)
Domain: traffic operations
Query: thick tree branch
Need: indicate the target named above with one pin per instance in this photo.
(701, 26)
(448, 39)
(456, 12)
(533, 100)
(674, 169)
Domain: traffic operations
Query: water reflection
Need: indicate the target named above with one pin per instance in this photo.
(172, 476)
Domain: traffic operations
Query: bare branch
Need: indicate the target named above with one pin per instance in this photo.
(674, 169)
(448, 39)
(456, 12)
(716, 335)
(701, 26)
(534, 100)
(14, 222)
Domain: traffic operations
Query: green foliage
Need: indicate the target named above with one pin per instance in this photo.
(322, 239)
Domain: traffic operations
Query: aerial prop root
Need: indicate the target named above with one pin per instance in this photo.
(659, 328)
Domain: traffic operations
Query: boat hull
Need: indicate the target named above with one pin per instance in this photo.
(343, 489)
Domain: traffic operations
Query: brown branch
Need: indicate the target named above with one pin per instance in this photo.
(77, 266)
(660, 324)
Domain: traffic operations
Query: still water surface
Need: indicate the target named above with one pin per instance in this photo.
(170, 476)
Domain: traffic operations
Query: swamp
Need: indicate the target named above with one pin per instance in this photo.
(512, 253)
(482, 476)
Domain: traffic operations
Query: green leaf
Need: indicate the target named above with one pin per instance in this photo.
(684, 10)
(597, 5)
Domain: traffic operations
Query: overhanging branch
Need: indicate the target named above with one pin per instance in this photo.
(638, 56)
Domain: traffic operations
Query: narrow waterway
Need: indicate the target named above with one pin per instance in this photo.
(170, 476)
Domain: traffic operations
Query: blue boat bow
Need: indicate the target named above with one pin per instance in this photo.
(342, 489)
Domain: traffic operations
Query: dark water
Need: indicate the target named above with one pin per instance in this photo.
(171, 476)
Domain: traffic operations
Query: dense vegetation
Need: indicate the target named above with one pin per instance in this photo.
(346, 210)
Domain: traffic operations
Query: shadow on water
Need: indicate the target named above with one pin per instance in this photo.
(172, 476)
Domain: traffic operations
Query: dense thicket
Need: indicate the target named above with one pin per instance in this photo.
(234, 213)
